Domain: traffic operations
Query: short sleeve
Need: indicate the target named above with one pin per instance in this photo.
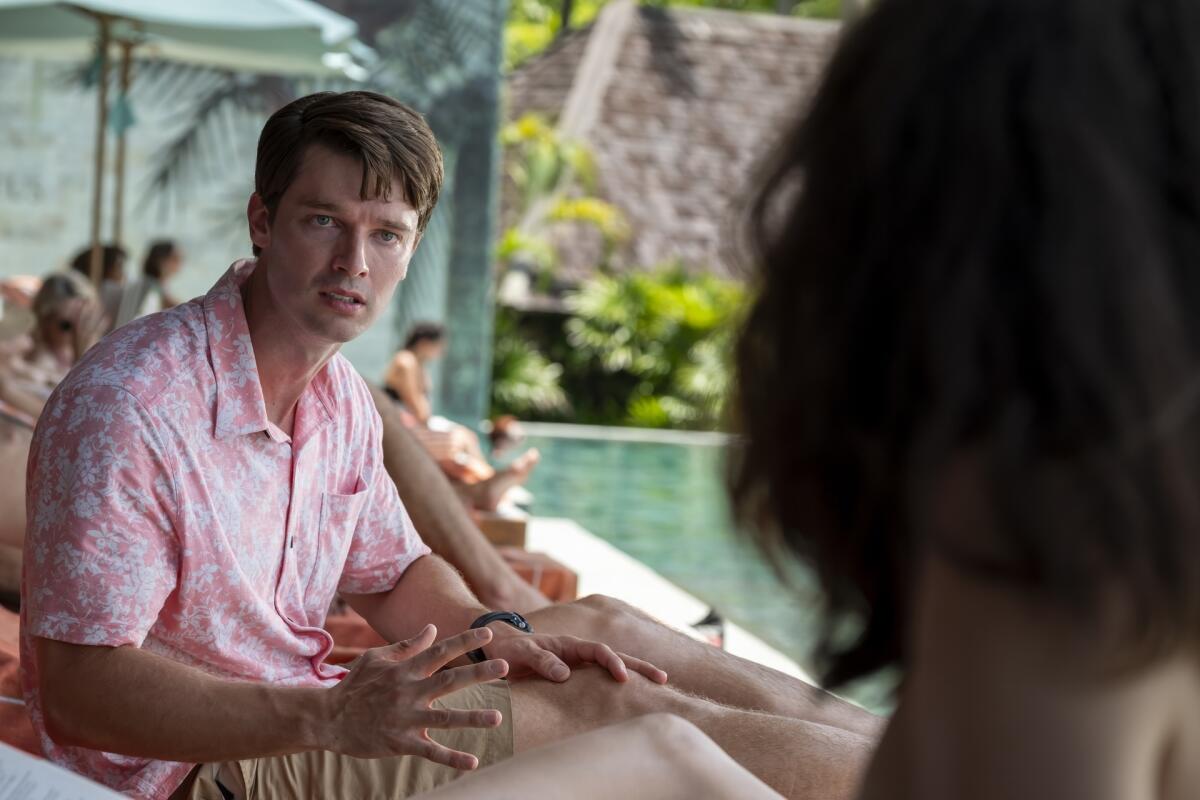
(385, 542)
(101, 554)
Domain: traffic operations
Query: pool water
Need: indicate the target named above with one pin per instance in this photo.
(664, 503)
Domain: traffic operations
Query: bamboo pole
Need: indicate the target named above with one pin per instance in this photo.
(119, 193)
(95, 268)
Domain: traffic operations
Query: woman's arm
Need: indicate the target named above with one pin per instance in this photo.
(404, 377)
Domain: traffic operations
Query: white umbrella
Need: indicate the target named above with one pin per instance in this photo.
(285, 37)
(275, 36)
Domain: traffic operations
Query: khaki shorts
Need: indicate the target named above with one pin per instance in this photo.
(321, 774)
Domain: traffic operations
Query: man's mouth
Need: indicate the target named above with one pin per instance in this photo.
(345, 297)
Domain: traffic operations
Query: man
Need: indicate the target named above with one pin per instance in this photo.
(207, 478)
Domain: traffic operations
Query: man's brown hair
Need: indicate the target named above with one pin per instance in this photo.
(392, 140)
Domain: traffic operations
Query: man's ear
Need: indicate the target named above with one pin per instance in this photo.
(259, 219)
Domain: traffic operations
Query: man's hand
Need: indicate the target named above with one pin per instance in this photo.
(552, 657)
(382, 707)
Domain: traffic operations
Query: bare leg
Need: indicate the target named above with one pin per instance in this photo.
(654, 757)
(798, 759)
(10, 570)
(700, 669)
(491, 491)
(14, 453)
(441, 518)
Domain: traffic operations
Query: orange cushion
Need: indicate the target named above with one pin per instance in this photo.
(554, 580)
(351, 636)
(15, 727)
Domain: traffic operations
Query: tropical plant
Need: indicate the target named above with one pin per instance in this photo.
(533, 25)
(524, 381)
(666, 335)
(552, 180)
(542, 164)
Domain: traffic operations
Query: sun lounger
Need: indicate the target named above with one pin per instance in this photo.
(15, 728)
(503, 529)
(22, 776)
(557, 582)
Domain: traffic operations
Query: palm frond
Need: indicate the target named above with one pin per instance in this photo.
(215, 127)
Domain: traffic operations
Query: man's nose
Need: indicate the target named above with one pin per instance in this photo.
(351, 255)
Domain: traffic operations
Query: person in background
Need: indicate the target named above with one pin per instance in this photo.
(149, 293)
(68, 320)
(407, 379)
(970, 390)
(38, 347)
(112, 277)
(18, 411)
(504, 433)
(455, 448)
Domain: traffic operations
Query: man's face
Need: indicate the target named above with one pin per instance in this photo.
(333, 259)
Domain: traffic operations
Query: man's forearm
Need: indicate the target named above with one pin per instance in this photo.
(129, 701)
(429, 591)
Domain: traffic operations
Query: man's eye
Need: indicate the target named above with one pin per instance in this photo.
(388, 236)
(323, 220)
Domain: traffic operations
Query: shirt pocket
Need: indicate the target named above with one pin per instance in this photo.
(339, 518)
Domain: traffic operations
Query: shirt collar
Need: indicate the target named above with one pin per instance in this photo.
(240, 406)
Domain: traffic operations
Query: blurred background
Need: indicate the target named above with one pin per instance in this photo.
(579, 258)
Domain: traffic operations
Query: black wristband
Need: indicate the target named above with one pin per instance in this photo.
(508, 617)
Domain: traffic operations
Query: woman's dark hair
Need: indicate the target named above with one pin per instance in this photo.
(979, 255)
(159, 252)
(424, 332)
(112, 259)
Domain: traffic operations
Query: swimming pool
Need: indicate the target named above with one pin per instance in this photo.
(660, 497)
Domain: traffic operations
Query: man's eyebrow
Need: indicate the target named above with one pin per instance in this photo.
(391, 223)
(323, 205)
(386, 222)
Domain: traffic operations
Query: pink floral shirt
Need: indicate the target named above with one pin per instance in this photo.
(167, 512)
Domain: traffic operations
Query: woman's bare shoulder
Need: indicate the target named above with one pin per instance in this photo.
(1007, 696)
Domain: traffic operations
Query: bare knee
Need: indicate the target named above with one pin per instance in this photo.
(592, 617)
(606, 617)
(545, 711)
(603, 604)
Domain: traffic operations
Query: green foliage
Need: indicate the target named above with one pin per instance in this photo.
(604, 216)
(524, 382)
(667, 330)
(529, 247)
(553, 179)
(760, 6)
(533, 25)
(649, 349)
(540, 163)
(820, 9)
